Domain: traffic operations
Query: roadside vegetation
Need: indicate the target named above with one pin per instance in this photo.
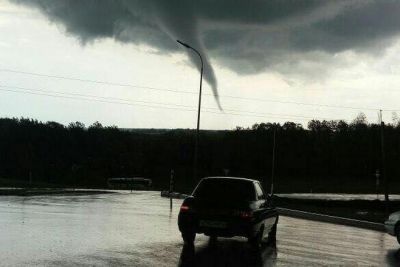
(327, 156)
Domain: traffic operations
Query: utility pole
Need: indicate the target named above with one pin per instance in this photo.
(30, 178)
(171, 188)
(386, 188)
(377, 183)
(273, 162)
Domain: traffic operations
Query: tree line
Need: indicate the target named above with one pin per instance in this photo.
(326, 156)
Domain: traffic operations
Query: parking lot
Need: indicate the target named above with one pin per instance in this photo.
(138, 229)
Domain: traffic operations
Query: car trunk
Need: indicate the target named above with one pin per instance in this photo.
(220, 207)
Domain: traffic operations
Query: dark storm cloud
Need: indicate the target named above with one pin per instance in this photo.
(245, 36)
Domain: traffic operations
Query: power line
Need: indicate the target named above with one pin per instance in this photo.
(93, 96)
(97, 82)
(82, 98)
(188, 92)
(305, 104)
(150, 102)
(146, 103)
(90, 98)
(130, 104)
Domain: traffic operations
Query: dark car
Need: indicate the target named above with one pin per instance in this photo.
(227, 207)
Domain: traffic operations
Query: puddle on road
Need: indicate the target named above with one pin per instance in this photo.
(138, 229)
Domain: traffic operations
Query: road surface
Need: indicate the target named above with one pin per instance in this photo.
(138, 229)
(327, 196)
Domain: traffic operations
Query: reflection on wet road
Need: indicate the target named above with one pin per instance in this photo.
(227, 252)
(139, 230)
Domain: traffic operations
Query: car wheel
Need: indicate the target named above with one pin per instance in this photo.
(397, 232)
(255, 241)
(188, 237)
(272, 234)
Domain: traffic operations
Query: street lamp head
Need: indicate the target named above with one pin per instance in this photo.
(182, 43)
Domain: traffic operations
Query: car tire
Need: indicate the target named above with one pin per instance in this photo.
(397, 232)
(188, 237)
(272, 234)
(255, 241)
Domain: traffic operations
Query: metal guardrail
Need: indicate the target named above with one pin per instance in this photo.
(48, 191)
(331, 219)
(309, 216)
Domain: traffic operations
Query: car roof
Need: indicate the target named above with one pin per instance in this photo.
(229, 178)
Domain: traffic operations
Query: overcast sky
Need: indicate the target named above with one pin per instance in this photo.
(265, 61)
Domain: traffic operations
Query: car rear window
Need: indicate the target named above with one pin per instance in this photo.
(225, 189)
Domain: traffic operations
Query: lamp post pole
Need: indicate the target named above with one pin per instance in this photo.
(196, 146)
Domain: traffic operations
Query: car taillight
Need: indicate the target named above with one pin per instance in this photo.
(246, 214)
(184, 208)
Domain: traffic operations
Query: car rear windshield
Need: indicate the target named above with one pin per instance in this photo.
(225, 189)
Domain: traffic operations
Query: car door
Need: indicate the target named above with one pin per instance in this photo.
(266, 214)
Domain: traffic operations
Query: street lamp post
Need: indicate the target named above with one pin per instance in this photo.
(196, 146)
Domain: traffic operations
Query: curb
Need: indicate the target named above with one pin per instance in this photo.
(39, 192)
(332, 219)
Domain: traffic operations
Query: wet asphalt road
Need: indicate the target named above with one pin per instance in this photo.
(138, 229)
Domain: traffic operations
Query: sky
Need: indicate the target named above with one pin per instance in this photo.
(118, 62)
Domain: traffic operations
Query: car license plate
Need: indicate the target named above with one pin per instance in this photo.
(213, 224)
